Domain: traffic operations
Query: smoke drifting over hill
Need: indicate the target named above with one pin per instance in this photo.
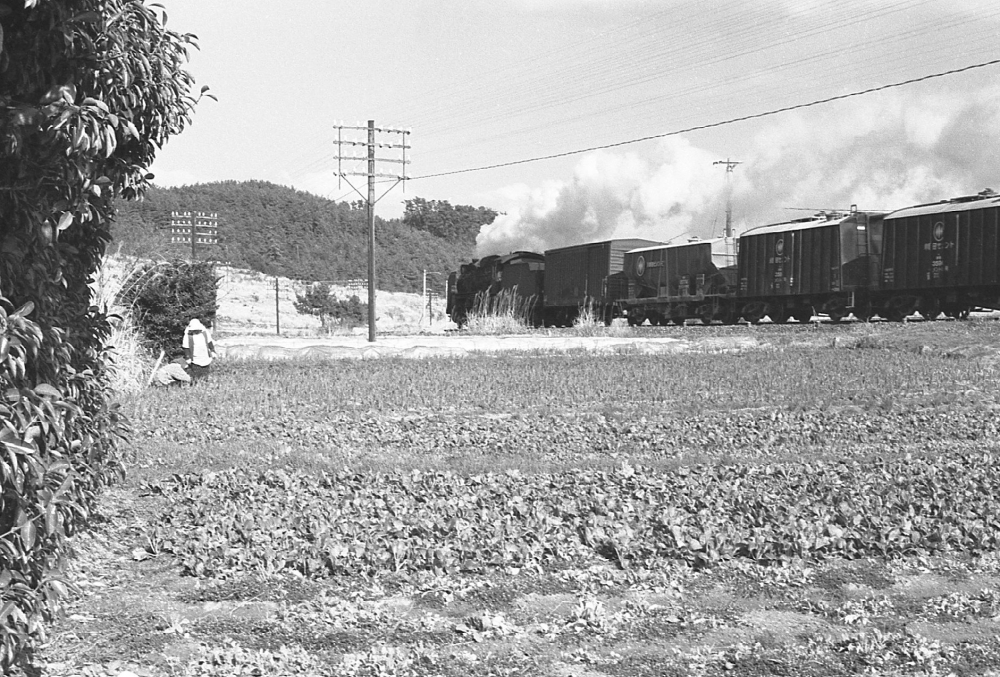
(884, 152)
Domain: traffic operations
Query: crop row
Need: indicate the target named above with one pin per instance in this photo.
(351, 523)
(641, 435)
(692, 383)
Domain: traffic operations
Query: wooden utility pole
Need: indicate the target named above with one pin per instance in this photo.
(371, 231)
(370, 144)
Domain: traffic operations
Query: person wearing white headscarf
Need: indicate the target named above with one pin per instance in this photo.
(198, 348)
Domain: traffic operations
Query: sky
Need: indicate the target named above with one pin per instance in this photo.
(654, 92)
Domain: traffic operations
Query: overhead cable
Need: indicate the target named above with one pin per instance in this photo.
(712, 125)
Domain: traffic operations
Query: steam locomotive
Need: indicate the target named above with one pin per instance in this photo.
(937, 258)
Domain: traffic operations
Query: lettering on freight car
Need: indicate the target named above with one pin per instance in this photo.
(888, 275)
(938, 269)
(778, 260)
(938, 246)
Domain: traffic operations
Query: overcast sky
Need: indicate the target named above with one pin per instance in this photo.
(484, 82)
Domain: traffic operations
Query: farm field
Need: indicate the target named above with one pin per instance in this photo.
(821, 505)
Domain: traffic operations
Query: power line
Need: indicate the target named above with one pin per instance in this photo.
(739, 85)
(598, 73)
(712, 125)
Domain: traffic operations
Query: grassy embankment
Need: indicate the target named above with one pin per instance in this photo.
(799, 509)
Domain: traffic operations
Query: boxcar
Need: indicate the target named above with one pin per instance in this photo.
(823, 264)
(941, 257)
(586, 276)
(671, 283)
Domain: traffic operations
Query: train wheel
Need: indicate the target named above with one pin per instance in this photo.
(635, 318)
(930, 309)
(753, 316)
(730, 317)
(836, 315)
(803, 315)
(679, 321)
(779, 316)
(896, 315)
(707, 315)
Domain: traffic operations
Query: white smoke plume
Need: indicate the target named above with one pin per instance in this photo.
(884, 152)
(611, 195)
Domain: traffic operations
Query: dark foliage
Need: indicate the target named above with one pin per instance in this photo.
(440, 218)
(165, 296)
(282, 231)
(329, 308)
(89, 89)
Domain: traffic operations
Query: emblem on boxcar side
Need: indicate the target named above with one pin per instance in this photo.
(938, 231)
(779, 246)
(640, 265)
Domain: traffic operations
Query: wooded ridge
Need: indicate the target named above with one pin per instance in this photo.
(283, 231)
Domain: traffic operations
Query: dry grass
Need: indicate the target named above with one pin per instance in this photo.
(506, 313)
(590, 322)
(129, 361)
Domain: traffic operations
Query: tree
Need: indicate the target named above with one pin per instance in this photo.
(89, 90)
(440, 218)
(165, 296)
(319, 301)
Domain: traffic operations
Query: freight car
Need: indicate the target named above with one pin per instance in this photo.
(586, 277)
(936, 258)
(820, 264)
(824, 264)
(940, 258)
(671, 283)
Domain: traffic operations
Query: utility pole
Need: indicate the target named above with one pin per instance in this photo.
(370, 144)
(277, 312)
(730, 242)
(730, 165)
(428, 297)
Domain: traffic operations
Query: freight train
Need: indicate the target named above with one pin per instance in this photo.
(938, 258)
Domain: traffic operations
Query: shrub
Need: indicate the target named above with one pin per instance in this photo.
(81, 117)
(165, 296)
(319, 301)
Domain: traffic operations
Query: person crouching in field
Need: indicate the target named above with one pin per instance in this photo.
(198, 348)
(171, 374)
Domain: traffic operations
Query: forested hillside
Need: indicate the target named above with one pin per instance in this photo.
(282, 231)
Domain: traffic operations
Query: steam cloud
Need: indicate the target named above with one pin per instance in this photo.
(884, 152)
